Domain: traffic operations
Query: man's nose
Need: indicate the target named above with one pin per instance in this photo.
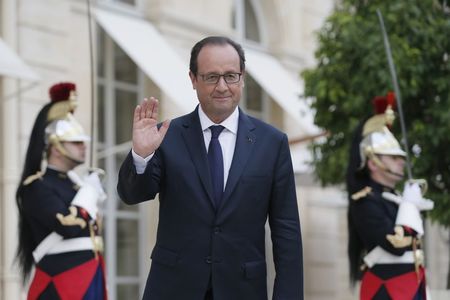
(221, 84)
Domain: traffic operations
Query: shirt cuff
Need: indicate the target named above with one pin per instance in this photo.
(140, 163)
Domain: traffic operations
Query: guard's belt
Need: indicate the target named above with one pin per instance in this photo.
(54, 244)
(380, 256)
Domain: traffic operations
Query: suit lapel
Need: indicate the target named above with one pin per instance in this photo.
(245, 142)
(193, 137)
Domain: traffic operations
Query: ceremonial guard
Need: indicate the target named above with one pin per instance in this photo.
(59, 228)
(385, 227)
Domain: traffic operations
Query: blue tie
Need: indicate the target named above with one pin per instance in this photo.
(215, 159)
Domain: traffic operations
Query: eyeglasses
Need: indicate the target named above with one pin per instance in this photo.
(213, 78)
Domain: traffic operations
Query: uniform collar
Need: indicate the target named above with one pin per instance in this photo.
(381, 188)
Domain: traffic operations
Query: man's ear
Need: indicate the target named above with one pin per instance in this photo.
(193, 79)
(371, 165)
(54, 152)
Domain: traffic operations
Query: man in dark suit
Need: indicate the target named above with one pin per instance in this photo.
(219, 174)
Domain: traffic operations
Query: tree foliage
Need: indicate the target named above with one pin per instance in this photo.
(352, 69)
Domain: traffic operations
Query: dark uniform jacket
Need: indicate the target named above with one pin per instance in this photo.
(374, 218)
(43, 200)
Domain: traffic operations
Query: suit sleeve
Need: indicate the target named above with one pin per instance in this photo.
(285, 229)
(135, 188)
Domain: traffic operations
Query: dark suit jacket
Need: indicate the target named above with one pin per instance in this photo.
(197, 242)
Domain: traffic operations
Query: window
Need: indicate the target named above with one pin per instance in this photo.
(119, 90)
(255, 99)
(127, 2)
(251, 23)
(132, 2)
(245, 21)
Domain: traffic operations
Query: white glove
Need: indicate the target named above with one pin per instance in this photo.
(410, 194)
(90, 194)
(93, 180)
(409, 208)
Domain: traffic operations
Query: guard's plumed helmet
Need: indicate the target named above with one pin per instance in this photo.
(62, 126)
(65, 130)
(63, 98)
(376, 136)
(53, 125)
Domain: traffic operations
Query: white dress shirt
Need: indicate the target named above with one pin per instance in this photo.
(227, 139)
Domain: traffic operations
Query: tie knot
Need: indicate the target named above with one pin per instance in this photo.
(216, 130)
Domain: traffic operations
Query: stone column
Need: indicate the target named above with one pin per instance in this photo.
(10, 285)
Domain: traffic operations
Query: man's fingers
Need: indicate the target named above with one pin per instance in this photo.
(148, 106)
(155, 109)
(152, 106)
(137, 113)
(144, 107)
(148, 109)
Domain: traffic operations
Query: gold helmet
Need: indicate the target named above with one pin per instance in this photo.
(62, 130)
(377, 138)
(65, 130)
(380, 142)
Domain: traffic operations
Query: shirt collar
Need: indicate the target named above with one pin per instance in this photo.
(230, 123)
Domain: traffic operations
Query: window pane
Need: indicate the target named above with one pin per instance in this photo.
(132, 2)
(120, 157)
(254, 95)
(233, 18)
(100, 52)
(100, 114)
(127, 248)
(126, 207)
(251, 23)
(125, 70)
(126, 292)
(125, 105)
(101, 163)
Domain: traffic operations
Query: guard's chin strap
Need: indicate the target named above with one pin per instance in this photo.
(55, 142)
(382, 166)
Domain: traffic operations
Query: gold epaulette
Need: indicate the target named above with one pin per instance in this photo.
(398, 239)
(71, 219)
(33, 177)
(362, 193)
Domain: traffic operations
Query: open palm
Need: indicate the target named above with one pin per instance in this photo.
(147, 137)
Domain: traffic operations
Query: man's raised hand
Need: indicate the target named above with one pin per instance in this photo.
(146, 135)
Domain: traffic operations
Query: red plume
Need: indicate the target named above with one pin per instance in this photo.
(61, 91)
(380, 103)
(391, 99)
